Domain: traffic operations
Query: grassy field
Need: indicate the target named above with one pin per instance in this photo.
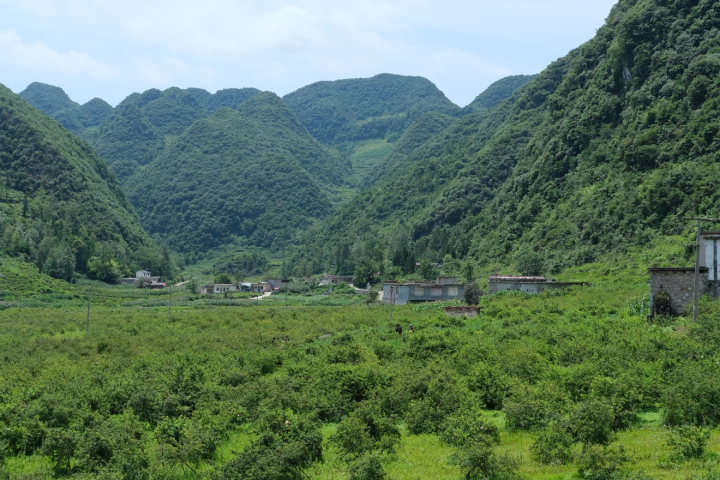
(197, 393)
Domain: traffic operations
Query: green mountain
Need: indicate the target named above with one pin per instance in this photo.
(365, 108)
(254, 172)
(607, 148)
(60, 206)
(71, 115)
(497, 92)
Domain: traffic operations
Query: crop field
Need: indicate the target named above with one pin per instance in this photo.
(548, 387)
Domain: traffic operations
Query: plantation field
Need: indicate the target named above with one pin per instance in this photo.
(257, 390)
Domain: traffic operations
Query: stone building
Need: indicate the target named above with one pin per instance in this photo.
(679, 284)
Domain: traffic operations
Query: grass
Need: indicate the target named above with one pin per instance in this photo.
(366, 155)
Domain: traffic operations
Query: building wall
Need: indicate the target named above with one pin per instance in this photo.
(404, 294)
(679, 284)
(528, 287)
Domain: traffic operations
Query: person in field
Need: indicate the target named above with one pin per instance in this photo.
(398, 329)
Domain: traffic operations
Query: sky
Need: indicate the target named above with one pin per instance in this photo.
(110, 49)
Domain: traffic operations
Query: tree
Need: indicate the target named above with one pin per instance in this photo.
(529, 262)
(473, 294)
(364, 272)
(427, 270)
(223, 278)
(60, 263)
(192, 286)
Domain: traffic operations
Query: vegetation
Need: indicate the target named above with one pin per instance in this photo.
(541, 387)
(60, 206)
(496, 93)
(55, 102)
(362, 109)
(252, 173)
(607, 148)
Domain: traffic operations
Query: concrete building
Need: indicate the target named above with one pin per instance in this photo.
(213, 288)
(336, 279)
(532, 285)
(444, 288)
(143, 278)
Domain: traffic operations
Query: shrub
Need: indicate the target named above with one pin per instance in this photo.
(601, 463)
(490, 384)
(591, 422)
(367, 467)
(688, 442)
(533, 407)
(480, 461)
(465, 427)
(223, 278)
(554, 445)
(473, 294)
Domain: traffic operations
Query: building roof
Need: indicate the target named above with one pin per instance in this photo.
(501, 278)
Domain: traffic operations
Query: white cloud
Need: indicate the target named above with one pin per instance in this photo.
(284, 44)
(41, 58)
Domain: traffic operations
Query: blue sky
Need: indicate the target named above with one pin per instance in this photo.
(109, 49)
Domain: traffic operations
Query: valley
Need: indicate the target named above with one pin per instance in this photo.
(214, 285)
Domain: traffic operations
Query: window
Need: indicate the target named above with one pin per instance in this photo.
(436, 292)
(419, 291)
(453, 291)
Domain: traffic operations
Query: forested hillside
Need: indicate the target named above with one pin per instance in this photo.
(142, 124)
(254, 173)
(365, 108)
(60, 206)
(71, 115)
(607, 148)
(497, 92)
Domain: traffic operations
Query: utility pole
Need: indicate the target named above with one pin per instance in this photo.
(285, 295)
(696, 293)
(170, 305)
(87, 322)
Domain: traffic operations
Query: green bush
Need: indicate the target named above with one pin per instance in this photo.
(367, 467)
(553, 445)
(601, 463)
(688, 442)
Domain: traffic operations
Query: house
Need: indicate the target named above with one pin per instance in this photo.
(336, 279)
(531, 285)
(678, 284)
(444, 288)
(143, 278)
(218, 288)
(261, 287)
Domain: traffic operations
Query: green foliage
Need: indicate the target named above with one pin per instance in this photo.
(497, 92)
(367, 467)
(60, 203)
(427, 270)
(607, 148)
(254, 263)
(361, 109)
(55, 102)
(602, 463)
(529, 262)
(553, 445)
(480, 461)
(223, 278)
(689, 442)
(276, 170)
(472, 293)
